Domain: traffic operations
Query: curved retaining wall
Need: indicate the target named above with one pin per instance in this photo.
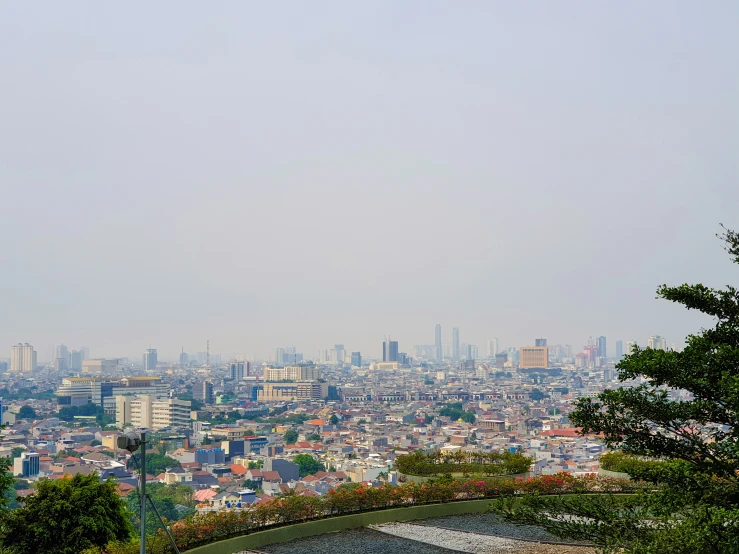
(340, 523)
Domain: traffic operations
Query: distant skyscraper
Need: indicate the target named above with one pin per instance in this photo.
(455, 343)
(184, 359)
(471, 352)
(203, 391)
(492, 347)
(62, 352)
(23, 358)
(75, 360)
(390, 351)
(657, 343)
(439, 355)
(323, 355)
(237, 370)
(602, 350)
(150, 359)
(619, 350)
(279, 356)
(356, 359)
(340, 353)
(540, 342)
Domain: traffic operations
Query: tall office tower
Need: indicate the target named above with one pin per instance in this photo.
(340, 354)
(62, 352)
(85, 353)
(23, 358)
(1, 411)
(471, 352)
(237, 370)
(540, 342)
(203, 391)
(356, 359)
(619, 350)
(492, 347)
(184, 359)
(568, 351)
(657, 343)
(323, 355)
(279, 356)
(455, 343)
(150, 359)
(75, 360)
(438, 349)
(390, 351)
(602, 350)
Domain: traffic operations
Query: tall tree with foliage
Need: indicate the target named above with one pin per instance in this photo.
(291, 436)
(685, 412)
(308, 464)
(66, 516)
(7, 490)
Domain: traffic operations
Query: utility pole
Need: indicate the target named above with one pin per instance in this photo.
(142, 495)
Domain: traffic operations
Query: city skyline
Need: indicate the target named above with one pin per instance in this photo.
(507, 170)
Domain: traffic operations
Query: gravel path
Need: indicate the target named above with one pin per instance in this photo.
(359, 541)
(491, 524)
(474, 543)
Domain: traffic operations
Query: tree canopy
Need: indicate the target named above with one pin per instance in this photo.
(681, 408)
(155, 463)
(66, 516)
(308, 464)
(291, 437)
(26, 412)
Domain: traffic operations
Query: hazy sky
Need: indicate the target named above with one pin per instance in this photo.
(264, 174)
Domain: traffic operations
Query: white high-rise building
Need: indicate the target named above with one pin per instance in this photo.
(150, 359)
(23, 358)
(152, 412)
(657, 343)
(492, 347)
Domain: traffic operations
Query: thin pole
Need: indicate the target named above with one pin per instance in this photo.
(142, 539)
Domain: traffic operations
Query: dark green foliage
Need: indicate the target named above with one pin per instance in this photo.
(454, 411)
(68, 413)
(313, 437)
(155, 463)
(26, 412)
(16, 451)
(256, 465)
(7, 488)
(536, 395)
(308, 464)
(482, 463)
(333, 420)
(692, 501)
(65, 517)
(291, 437)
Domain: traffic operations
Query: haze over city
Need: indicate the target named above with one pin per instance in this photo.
(313, 174)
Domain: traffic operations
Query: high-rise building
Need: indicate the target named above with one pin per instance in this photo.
(323, 355)
(602, 350)
(203, 391)
(492, 347)
(356, 359)
(534, 357)
(619, 350)
(540, 342)
(75, 360)
(303, 372)
(455, 343)
(500, 359)
(23, 358)
(237, 370)
(340, 354)
(438, 354)
(1, 411)
(150, 359)
(28, 464)
(279, 356)
(390, 351)
(151, 412)
(184, 359)
(471, 352)
(657, 343)
(630, 344)
(62, 352)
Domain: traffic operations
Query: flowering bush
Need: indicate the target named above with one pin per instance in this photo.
(202, 529)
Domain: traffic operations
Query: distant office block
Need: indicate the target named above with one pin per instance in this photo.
(540, 342)
(203, 392)
(390, 351)
(492, 348)
(356, 359)
(150, 359)
(602, 350)
(500, 360)
(455, 343)
(437, 343)
(657, 343)
(619, 350)
(534, 357)
(237, 370)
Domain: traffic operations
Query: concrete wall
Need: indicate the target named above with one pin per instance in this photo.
(341, 523)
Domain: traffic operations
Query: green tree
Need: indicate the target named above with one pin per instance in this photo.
(334, 420)
(313, 437)
(7, 489)
(165, 505)
(16, 451)
(536, 395)
(291, 437)
(26, 412)
(66, 517)
(308, 464)
(692, 501)
(155, 463)
(259, 464)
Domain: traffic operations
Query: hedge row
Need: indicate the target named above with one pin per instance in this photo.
(472, 463)
(202, 529)
(626, 463)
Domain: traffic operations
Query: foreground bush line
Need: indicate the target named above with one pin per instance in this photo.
(202, 529)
